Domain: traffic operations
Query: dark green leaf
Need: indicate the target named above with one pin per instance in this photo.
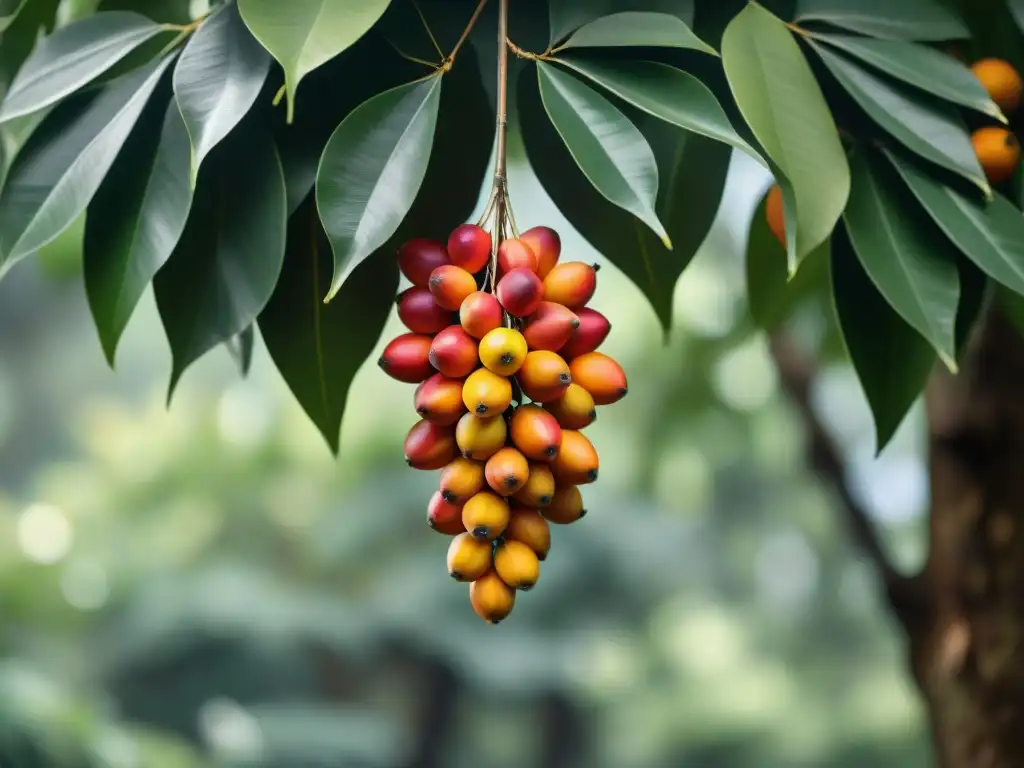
(135, 220)
(55, 175)
(891, 360)
(372, 169)
(636, 28)
(788, 115)
(907, 258)
(9, 10)
(1017, 9)
(217, 80)
(975, 290)
(929, 128)
(165, 11)
(226, 264)
(607, 147)
(1012, 305)
(240, 348)
(901, 20)
(568, 15)
(73, 56)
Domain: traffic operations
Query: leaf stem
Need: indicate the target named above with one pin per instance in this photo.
(407, 57)
(465, 34)
(530, 55)
(426, 26)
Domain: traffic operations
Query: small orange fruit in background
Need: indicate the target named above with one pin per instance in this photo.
(773, 213)
(998, 152)
(1002, 82)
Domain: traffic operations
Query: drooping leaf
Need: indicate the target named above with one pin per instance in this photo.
(905, 255)
(372, 169)
(217, 80)
(304, 34)
(9, 10)
(929, 128)
(240, 348)
(565, 16)
(612, 153)
(53, 178)
(903, 20)
(891, 360)
(318, 347)
(227, 261)
(664, 92)
(636, 28)
(73, 56)
(786, 111)
(23, 31)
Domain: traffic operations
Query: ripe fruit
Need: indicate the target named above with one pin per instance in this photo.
(468, 558)
(418, 257)
(503, 351)
(773, 212)
(571, 283)
(461, 479)
(546, 245)
(469, 247)
(515, 254)
(480, 313)
(529, 527)
(407, 358)
(480, 438)
(439, 400)
(575, 409)
(429, 446)
(491, 598)
(539, 487)
(601, 376)
(420, 313)
(591, 333)
(485, 515)
(486, 393)
(516, 564)
(443, 516)
(520, 291)
(535, 432)
(998, 152)
(453, 352)
(507, 471)
(451, 285)
(550, 327)
(1002, 82)
(576, 462)
(566, 506)
(544, 376)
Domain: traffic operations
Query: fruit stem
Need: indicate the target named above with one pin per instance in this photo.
(502, 105)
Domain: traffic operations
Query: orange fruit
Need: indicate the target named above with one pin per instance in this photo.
(998, 152)
(1002, 82)
(773, 213)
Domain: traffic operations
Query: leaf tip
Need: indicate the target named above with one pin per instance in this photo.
(666, 241)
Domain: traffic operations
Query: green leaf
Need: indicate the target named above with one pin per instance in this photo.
(317, 347)
(908, 259)
(304, 34)
(240, 348)
(135, 219)
(224, 267)
(73, 56)
(636, 28)
(57, 172)
(901, 20)
(165, 11)
(665, 92)
(891, 360)
(926, 127)
(565, 16)
(9, 10)
(1017, 10)
(787, 113)
(217, 80)
(607, 147)
(372, 169)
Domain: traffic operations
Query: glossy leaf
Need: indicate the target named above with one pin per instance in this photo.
(607, 147)
(372, 169)
(240, 347)
(905, 255)
(926, 127)
(636, 28)
(318, 347)
(55, 175)
(227, 261)
(902, 20)
(217, 80)
(73, 56)
(565, 16)
(787, 113)
(304, 34)
(135, 220)
(891, 360)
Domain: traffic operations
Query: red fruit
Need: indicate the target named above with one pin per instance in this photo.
(453, 352)
(429, 446)
(407, 358)
(439, 400)
(601, 376)
(443, 516)
(450, 285)
(592, 332)
(515, 254)
(546, 246)
(420, 313)
(469, 247)
(480, 314)
(418, 257)
(571, 283)
(520, 291)
(550, 326)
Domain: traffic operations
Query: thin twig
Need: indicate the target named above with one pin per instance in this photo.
(430, 33)
(465, 33)
(413, 59)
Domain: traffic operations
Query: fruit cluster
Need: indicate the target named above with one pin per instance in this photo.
(503, 348)
(997, 148)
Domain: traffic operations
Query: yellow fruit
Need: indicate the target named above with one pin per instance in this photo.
(573, 410)
(479, 438)
(539, 487)
(529, 527)
(576, 462)
(507, 471)
(485, 516)
(566, 506)
(1002, 82)
(998, 152)
(503, 351)
(468, 558)
(516, 564)
(485, 393)
(774, 214)
(491, 598)
(461, 479)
